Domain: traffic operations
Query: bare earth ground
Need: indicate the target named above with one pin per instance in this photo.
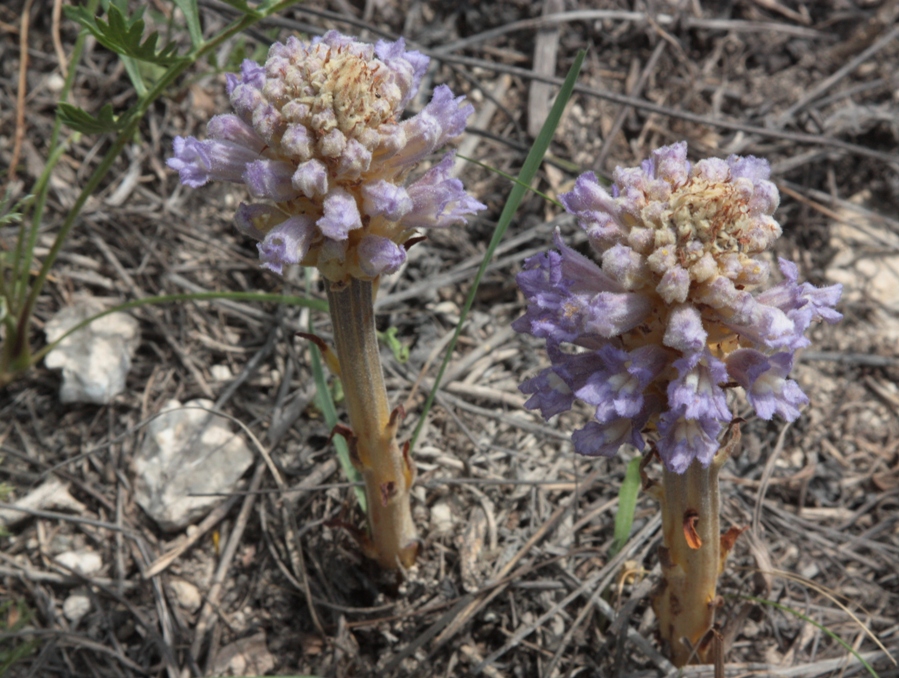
(515, 566)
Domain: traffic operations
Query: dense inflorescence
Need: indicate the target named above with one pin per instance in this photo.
(317, 138)
(676, 311)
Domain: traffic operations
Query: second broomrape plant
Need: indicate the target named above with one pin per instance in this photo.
(677, 312)
(317, 138)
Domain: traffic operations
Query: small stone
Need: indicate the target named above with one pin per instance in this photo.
(187, 594)
(189, 451)
(441, 518)
(76, 606)
(220, 373)
(245, 657)
(55, 82)
(750, 629)
(86, 563)
(96, 359)
(863, 262)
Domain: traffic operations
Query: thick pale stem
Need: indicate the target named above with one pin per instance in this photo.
(387, 472)
(686, 600)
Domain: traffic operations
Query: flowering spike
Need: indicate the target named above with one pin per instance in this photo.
(319, 139)
(680, 247)
(675, 313)
(319, 130)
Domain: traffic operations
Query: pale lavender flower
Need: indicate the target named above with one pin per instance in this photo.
(674, 312)
(317, 134)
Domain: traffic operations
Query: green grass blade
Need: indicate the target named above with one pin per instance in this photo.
(516, 195)
(805, 618)
(192, 16)
(514, 180)
(627, 505)
(326, 405)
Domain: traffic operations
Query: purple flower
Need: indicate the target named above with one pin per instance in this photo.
(341, 215)
(676, 311)
(683, 440)
(551, 395)
(198, 162)
(379, 255)
(697, 392)
(270, 179)
(387, 199)
(765, 380)
(440, 121)
(257, 220)
(596, 210)
(286, 244)
(621, 379)
(319, 130)
(604, 440)
(439, 200)
(570, 296)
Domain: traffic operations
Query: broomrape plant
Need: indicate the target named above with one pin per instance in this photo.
(317, 138)
(677, 312)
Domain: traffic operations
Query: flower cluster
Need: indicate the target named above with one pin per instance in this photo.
(676, 311)
(317, 137)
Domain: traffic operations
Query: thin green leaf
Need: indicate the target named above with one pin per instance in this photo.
(266, 5)
(627, 504)
(516, 195)
(504, 175)
(132, 68)
(805, 618)
(242, 6)
(326, 405)
(192, 16)
(81, 121)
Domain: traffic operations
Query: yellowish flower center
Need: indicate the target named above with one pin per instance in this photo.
(340, 90)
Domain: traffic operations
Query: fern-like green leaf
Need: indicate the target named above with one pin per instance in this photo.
(81, 121)
(123, 35)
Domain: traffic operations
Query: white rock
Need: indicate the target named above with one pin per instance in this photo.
(442, 520)
(96, 359)
(52, 494)
(221, 372)
(187, 451)
(84, 562)
(76, 606)
(55, 82)
(187, 594)
(863, 263)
